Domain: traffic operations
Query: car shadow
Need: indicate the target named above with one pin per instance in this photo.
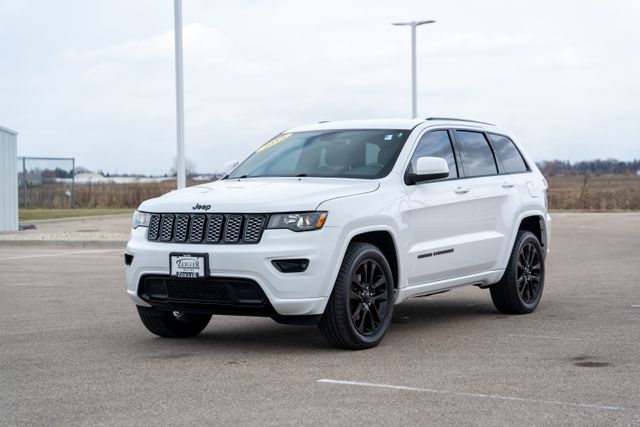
(264, 336)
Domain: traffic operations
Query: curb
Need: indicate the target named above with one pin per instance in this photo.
(75, 218)
(102, 244)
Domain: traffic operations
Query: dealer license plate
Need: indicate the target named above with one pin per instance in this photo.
(187, 265)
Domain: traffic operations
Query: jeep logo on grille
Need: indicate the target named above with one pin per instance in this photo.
(199, 207)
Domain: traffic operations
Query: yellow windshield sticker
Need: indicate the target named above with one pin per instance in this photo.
(274, 141)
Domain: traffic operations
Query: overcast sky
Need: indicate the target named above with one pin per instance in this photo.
(95, 79)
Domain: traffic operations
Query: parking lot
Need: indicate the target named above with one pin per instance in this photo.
(72, 350)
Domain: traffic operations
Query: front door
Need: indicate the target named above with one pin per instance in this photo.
(441, 218)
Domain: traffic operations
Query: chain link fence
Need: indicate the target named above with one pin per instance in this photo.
(46, 182)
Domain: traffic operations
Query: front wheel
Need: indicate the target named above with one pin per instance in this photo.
(360, 307)
(173, 324)
(520, 289)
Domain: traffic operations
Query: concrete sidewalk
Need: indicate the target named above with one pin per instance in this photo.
(109, 231)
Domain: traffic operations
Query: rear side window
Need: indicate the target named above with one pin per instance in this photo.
(436, 144)
(476, 154)
(510, 157)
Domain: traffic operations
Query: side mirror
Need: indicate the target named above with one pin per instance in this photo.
(229, 166)
(427, 169)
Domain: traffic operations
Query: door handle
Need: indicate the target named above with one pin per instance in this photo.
(462, 190)
(508, 184)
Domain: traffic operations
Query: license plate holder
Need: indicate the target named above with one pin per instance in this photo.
(189, 265)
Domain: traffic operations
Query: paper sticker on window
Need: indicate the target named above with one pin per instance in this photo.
(388, 137)
(274, 141)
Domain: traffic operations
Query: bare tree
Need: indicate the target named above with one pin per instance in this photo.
(189, 167)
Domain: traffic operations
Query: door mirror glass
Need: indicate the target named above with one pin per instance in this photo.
(229, 166)
(429, 168)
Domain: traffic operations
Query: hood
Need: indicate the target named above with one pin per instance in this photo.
(258, 195)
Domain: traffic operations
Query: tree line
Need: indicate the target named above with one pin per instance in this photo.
(589, 167)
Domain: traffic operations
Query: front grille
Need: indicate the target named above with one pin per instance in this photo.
(188, 291)
(211, 290)
(207, 228)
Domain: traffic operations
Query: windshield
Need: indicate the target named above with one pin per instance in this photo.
(369, 153)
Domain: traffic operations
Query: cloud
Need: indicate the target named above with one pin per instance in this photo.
(99, 84)
(199, 40)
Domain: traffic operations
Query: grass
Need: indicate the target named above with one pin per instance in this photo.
(585, 193)
(594, 193)
(38, 214)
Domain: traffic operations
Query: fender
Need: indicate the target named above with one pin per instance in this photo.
(544, 225)
(346, 238)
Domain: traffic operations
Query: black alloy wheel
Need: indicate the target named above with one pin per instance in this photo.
(368, 297)
(528, 273)
(360, 308)
(520, 289)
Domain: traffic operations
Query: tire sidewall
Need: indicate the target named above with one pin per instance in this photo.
(374, 253)
(525, 239)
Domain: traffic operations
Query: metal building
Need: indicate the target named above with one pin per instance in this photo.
(8, 180)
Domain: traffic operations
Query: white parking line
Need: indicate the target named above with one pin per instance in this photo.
(90, 251)
(467, 394)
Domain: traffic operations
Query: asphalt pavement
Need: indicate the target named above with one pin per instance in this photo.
(73, 351)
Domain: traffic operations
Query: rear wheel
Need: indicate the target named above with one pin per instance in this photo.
(173, 324)
(520, 289)
(360, 307)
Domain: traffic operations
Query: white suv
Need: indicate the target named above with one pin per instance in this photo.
(335, 222)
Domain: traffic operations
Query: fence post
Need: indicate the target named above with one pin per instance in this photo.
(24, 181)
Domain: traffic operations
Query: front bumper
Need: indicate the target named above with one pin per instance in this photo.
(288, 294)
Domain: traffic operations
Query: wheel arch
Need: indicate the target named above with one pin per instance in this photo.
(535, 224)
(533, 221)
(384, 240)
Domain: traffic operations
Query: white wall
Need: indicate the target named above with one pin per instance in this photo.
(8, 180)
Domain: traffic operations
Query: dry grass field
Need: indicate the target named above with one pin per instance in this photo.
(573, 192)
(594, 193)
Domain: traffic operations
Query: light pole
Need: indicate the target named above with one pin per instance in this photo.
(414, 93)
(180, 173)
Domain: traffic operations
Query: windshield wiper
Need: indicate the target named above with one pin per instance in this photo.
(301, 175)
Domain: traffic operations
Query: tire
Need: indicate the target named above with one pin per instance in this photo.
(171, 324)
(359, 310)
(520, 289)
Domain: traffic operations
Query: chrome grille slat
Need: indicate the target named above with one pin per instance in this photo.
(196, 231)
(182, 228)
(154, 227)
(253, 228)
(232, 228)
(214, 228)
(207, 228)
(166, 227)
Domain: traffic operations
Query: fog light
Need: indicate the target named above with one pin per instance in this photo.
(128, 259)
(291, 265)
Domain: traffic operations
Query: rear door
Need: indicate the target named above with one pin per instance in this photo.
(441, 217)
(494, 199)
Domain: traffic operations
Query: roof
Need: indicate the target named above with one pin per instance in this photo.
(361, 124)
(12, 132)
(407, 124)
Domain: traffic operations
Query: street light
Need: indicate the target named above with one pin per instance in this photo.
(414, 95)
(180, 173)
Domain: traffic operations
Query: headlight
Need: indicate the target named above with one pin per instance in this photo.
(140, 219)
(303, 221)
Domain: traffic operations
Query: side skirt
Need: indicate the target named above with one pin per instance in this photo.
(480, 279)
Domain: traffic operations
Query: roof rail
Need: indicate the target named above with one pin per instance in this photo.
(458, 120)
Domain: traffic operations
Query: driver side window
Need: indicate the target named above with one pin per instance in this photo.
(436, 144)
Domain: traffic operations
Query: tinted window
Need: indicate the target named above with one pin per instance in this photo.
(436, 144)
(508, 154)
(367, 153)
(476, 154)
